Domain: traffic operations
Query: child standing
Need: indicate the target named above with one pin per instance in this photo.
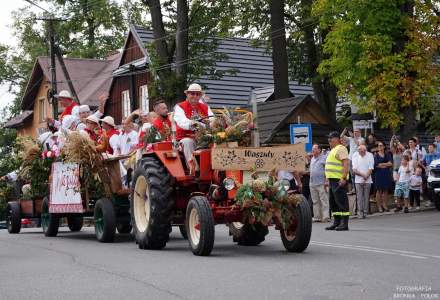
(415, 188)
(402, 184)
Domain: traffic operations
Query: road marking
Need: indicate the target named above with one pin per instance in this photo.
(404, 253)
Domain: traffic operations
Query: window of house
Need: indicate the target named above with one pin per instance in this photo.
(125, 103)
(144, 102)
(42, 109)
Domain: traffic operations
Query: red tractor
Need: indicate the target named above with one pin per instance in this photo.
(164, 195)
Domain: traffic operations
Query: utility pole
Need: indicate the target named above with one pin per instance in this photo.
(52, 52)
(66, 74)
(53, 72)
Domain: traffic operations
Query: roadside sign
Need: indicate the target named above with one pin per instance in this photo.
(363, 124)
(301, 133)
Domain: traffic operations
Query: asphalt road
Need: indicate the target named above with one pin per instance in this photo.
(383, 257)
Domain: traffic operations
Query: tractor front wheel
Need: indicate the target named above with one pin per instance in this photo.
(105, 220)
(247, 234)
(151, 203)
(200, 226)
(13, 217)
(75, 222)
(49, 222)
(299, 239)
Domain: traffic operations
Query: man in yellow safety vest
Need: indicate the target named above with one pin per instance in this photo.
(337, 167)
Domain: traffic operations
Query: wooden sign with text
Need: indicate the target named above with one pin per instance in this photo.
(289, 157)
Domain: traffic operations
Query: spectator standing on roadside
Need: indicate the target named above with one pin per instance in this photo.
(363, 166)
(402, 185)
(437, 143)
(383, 163)
(397, 150)
(415, 188)
(318, 191)
(354, 139)
(372, 143)
(416, 153)
(431, 155)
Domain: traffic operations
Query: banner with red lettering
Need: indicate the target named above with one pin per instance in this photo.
(65, 189)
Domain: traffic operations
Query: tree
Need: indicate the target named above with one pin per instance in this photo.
(185, 41)
(304, 43)
(381, 55)
(279, 49)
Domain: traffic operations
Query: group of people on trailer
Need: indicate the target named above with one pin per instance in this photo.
(113, 140)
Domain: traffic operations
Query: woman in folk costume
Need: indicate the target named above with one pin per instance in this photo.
(94, 132)
(188, 115)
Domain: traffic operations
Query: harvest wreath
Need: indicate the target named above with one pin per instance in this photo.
(261, 201)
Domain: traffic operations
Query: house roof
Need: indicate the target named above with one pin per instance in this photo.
(90, 77)
(19, 120)
(253, 66)
(274, 115)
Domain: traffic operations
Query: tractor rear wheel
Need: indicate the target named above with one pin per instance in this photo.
(200, 226)
(49, 222)
(246, 234)
(105, 220)
(75, 222)
(300, 238)
(151, 204)
(13, 217)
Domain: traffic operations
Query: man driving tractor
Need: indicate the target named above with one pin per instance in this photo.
(189, 115)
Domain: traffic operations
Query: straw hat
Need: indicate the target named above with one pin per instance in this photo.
(93, 119)
(109, 120)
(84, 108)
(64, 94)
(194, 87)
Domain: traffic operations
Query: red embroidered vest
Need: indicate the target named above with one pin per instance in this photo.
(198, 111)
(163, 125)
(111, 133)
(68, 110)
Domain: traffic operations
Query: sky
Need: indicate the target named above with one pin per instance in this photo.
(7, 38)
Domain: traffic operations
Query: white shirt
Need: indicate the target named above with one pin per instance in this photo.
(405, 173)
(114, 143)
(127, 142)
(182, 121)
(354, 144)
(363, 164)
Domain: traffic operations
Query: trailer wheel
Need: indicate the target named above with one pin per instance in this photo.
(49, 222)
(151, 204)
(105, 221)
(13, 217)
(75, 222)
(299, 240)
(247, 234)
(124, 227)
(183, 232)
(200, 226)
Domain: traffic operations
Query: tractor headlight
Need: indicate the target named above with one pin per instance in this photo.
(284, 184)
(229, 183)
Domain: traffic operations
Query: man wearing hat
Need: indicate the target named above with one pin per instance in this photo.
(187, 115)
(66, 100)
(108, 125)
(337, 166)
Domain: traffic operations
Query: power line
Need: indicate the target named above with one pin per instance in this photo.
(36, 5)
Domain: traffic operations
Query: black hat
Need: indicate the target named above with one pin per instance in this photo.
(333, 134)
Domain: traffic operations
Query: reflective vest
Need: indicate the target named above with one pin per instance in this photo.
(333, 166)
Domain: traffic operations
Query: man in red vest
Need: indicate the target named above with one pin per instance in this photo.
(108, 124)
(162, 123)
(65, 100)
(188, 115)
